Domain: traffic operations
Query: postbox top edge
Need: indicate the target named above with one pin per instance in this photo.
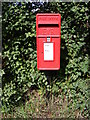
(48, 14)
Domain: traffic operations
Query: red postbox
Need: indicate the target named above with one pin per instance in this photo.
(48, 35)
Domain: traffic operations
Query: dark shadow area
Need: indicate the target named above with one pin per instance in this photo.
(48, 25)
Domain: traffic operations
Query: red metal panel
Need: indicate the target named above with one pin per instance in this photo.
(48, 25)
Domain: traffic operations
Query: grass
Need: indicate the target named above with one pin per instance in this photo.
(36, 107)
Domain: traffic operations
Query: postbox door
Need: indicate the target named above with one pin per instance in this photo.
(44, 61)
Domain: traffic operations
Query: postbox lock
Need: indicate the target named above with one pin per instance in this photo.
(48, 39)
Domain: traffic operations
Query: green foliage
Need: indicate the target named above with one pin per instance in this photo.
(20, 60)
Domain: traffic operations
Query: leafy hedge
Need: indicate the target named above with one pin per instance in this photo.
(20, 60)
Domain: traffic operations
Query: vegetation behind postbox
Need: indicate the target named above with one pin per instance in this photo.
(20, 59)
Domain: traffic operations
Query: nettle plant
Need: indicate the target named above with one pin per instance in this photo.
(20, 59)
